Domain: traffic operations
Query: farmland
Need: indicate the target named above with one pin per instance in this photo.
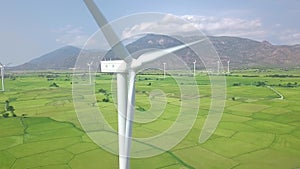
(257, 129)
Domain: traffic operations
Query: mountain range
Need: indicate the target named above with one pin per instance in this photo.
(242, 53)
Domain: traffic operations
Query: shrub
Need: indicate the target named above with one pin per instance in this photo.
(236, 84)
(260, 84)
(102, 91)
(5, 115)
(140, 109)
(54, 85)
(105, 100)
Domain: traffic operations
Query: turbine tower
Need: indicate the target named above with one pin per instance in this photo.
(228, 66)
(194, 67)
(126, 72)
(2, 76)
(164, 70)
(90, 75)
(218, 71)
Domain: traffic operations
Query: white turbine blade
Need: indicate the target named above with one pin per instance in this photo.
(152, 56)
(112, 38)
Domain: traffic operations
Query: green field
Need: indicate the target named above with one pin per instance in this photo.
(257, 129)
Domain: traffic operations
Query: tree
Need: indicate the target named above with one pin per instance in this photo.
(5, 115)
(139, 108)
(12, 110)
(105, 99)
(6, 105)
(54, 85)
(236, 84)
(9, 108)
(260, 84)
(102, 91)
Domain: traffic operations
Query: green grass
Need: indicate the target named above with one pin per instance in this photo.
(268, 158)
(257, 130)
(203, 158)
(11, 141)
(7, 160)
(47, 159)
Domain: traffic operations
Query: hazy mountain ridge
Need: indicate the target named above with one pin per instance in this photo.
(242, 53)
(246, 53)
(59, 59)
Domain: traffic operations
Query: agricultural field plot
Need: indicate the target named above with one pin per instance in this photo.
(257, 129)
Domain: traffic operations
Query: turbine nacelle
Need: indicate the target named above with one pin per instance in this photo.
(2, 66)
(114, 66)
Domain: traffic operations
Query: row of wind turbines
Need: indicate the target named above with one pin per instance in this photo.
(219, 67)
(164, 69)
(194, 68)
(2, 67)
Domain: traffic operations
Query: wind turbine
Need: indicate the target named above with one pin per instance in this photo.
(194, 67)
(126, 72)
(90, 75)
(164, 70)
(218, 62)
(228, 66)
(2, 76)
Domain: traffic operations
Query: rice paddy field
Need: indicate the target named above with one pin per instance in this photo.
(258, 129)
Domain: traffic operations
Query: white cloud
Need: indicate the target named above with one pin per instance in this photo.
(290, 37)
(70, 35)
(227, 26)
(168, 24)
(208, 25)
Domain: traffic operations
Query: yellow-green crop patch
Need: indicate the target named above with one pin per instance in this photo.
(203, 158)
(7, 160)
(11, 141)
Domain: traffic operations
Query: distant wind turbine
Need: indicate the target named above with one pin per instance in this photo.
(228, 66)
(194, 67)
(218, 62)
(164, 70)
(90, 75)
(2, 76)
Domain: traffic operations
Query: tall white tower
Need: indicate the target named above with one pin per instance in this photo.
(218, 71)
(228, 66)
(2, 76)
(194, 68)
(164, 70)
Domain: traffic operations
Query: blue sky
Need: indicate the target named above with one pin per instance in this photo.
(31, 28)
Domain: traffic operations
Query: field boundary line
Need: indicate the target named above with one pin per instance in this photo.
(274, 90)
